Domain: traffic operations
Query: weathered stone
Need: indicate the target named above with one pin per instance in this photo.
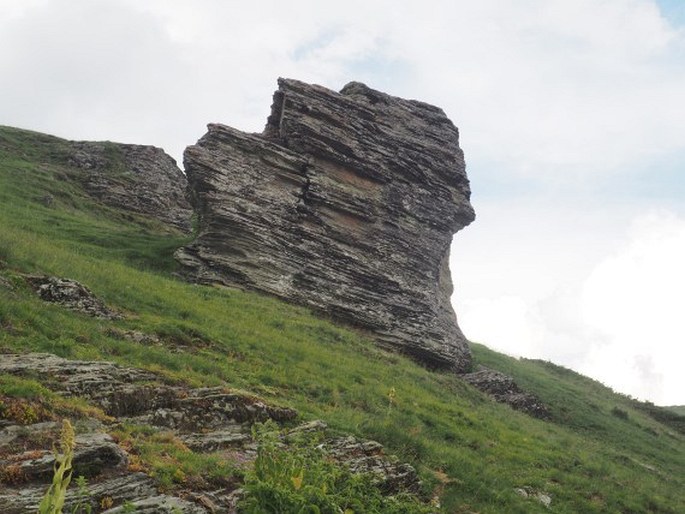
(135, 336)
(529, 492)
(503, 389)
(136, 178)
(308, 428)
(361, 456)
(119, 392)
(6, 284)
(206, 442)
(12, 433)
(202, 419)
(70, 294)
(347, 203)
(213, 408)
(118, 490)
(112, 387)
(364, 456)
(159, 504)
(94, 452)
(219, 502)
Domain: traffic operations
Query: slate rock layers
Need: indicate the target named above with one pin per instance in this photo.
(137, 178)
(346, 203)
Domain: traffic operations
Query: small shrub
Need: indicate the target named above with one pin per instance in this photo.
(22, 412)
(301, 478)
(12, 474)
(619, 413)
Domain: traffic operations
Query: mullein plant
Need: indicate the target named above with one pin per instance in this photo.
(53, 501)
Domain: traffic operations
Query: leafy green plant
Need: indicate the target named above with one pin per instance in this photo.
(55, 496)
(128, 508)
(619, 413)
(300, 478)
(83, 505)
(53, 501)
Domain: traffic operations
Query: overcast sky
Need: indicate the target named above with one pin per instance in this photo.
(571, 114)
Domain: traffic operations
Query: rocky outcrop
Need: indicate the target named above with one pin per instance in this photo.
(504, 389)
(70, 294)
(365, 456)
(346, 203)
(137, 178)
(201, 420)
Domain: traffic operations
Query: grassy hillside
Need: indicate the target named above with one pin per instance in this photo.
(602, 452)
(678, 409)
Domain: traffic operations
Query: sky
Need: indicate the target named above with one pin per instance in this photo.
(571, 115)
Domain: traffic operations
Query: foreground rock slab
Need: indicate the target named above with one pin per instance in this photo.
(346, 203)
(205, 420)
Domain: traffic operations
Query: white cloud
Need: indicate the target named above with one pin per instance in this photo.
(503, 323)
(563, 90)
(636, 298)
(618, 320)
(547, 88)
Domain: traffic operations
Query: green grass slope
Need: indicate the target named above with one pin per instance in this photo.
(678, 409)
(601, 452)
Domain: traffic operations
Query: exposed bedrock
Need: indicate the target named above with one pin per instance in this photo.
(346, 203)
(136, 178)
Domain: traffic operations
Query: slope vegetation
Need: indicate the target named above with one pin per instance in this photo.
(600, 452)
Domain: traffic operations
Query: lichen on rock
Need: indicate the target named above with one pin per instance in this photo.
(504, 389)
(70, 294)
(346, 203)
(141, 179)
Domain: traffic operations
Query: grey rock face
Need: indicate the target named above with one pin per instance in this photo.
(70, 294)
(138, 178)
(346, 203)
(503, 389)
(94, 453)
(204, 419)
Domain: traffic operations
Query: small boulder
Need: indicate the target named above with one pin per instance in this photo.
(503, 389)
(70, 294)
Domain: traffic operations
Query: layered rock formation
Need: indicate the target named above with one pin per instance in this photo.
(346, 203)
(199, 420)
(138, 178)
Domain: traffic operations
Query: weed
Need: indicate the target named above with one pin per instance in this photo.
(128, 508)
(11, 474)
(171, 463)
(82, 497)
(301, 478)
(619, 413)
(53, 501)
(106, 502)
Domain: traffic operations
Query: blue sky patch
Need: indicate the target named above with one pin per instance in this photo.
(673, 10)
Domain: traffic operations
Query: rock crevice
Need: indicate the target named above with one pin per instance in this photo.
(346, 203)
